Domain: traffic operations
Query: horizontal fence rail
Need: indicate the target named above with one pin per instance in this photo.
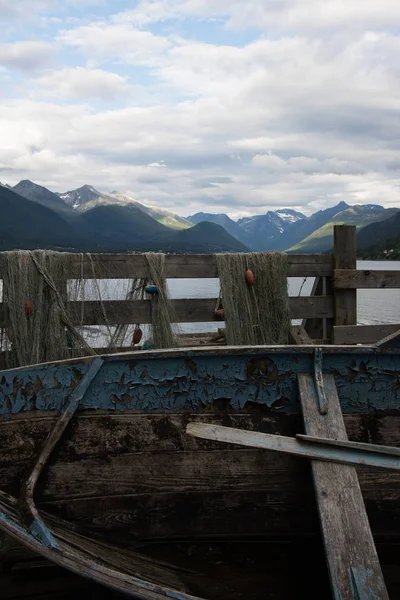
(197, 266)
(363, 334)
(367, 279)
(186, 310)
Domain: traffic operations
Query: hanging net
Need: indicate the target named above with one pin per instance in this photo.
(259, 313)
(162, 315)
(45, 312)
(63, 305)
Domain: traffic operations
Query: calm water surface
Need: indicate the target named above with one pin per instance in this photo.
(378, 306)
(373, 306)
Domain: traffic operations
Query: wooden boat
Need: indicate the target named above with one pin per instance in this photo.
(103, 472)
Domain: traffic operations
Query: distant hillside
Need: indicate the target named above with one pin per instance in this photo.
(203, 238)
(226, 222)
(127, 227)
(321, 240)
(87, 197)
(118, 227)
(390, 250)
(161, 215)
(379, 234)
(41, 195)
(28, 225)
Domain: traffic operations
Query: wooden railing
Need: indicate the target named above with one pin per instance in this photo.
(187, 310)
(329, 314)
(346, 280)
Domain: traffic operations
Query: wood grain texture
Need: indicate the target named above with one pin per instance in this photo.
(299, 335)
(132, 475)
(349, 546)
(363, 334)
(318, 328)
(186, 310)
(120, 266)
(345, 258)
(79, 558)
(390, 341)
(353, 279)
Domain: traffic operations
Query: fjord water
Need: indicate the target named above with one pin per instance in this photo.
(373, 306)
(378, 306)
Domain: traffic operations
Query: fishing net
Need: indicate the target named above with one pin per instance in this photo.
(45, 312)
(162, 315)
(255, 314)
(35, 293)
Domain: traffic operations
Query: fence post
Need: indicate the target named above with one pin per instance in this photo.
(345, 257)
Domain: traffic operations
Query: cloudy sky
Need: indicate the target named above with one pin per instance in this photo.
(236, 106)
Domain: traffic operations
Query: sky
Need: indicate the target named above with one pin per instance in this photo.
(236, 106)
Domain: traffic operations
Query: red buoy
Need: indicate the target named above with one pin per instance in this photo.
(137, 336)
(220, 314)
(28, 308)
(250, 279)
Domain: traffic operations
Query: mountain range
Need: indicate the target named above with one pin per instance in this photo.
(291, 231)
(86, 219)
(41, 219)
(261, 232)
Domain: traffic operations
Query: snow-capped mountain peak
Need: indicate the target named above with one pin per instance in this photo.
(289, 216)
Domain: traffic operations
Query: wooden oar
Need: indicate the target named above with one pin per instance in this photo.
(306, 446)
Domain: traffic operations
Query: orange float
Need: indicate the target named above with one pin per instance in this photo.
(28, 308)
(250, 279)
(137, 336)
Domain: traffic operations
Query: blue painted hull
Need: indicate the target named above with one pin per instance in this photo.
(124, 471)
(367, 380)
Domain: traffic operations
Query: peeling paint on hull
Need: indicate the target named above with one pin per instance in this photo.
(366, 381)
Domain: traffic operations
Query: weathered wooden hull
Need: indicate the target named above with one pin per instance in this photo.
(125, 473)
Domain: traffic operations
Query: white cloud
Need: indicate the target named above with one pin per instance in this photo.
(304, 164)
(299, 15)
(303, 118)
(25, 55)
(101, 41)
(82, 83)
(158, 164)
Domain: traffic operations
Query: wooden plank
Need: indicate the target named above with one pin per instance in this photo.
(363, 334)
(320, 328)
(307, 446)
(390, 341)
(311, 307)
(188, 265)
(345, 258)
(164, 477)
(81, 560)
(353, 563)
(351, 279)
(314, 327)
(299, 335)
(121, 266)
(187, 310)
